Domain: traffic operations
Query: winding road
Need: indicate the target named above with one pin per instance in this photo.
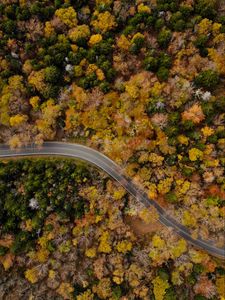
(111, 168)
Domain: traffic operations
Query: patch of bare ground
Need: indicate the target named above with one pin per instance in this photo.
(139, 227)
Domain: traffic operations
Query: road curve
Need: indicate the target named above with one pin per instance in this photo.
(106, 164)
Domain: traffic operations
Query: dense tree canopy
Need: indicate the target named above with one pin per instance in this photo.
(65, 235)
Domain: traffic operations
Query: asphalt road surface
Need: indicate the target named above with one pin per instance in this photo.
(111, 168)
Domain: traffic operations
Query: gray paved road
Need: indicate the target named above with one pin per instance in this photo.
(111, 168)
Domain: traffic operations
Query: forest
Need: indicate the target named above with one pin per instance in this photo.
(143, 82)
(66, 233)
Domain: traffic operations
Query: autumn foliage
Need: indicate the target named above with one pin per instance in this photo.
(142, 82)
